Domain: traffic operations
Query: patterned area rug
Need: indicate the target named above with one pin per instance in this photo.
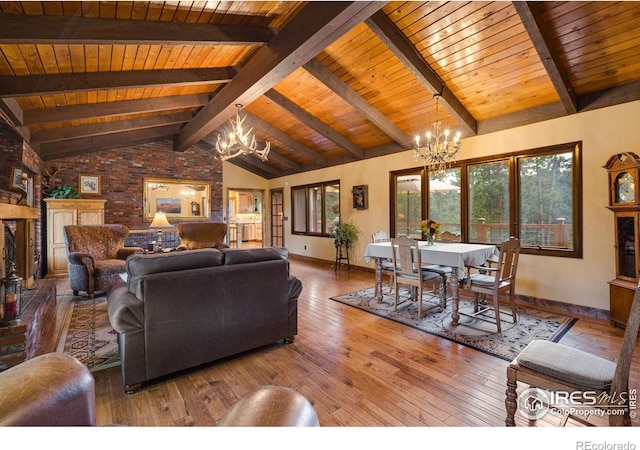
(480, 335)
(88, 335)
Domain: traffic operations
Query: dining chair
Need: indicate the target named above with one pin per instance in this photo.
(407, 263)
(555, 367)
(387, 263)
(493, 281)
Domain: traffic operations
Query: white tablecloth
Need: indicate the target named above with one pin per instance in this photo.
(452, 254)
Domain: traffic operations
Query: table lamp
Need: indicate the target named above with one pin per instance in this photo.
(160, 221)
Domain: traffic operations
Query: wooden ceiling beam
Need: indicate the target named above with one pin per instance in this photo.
(315, 124)
(287, 140)
(257, 170)
(104, 128)
(404, 50)
(12, 86)
(111, 109)
(601, 99)
(29, 29)
(94, 144)
(344, 91)
(317, 25)
(540, 37)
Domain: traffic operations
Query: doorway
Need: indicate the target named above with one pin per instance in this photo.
(277, 217)
(246, 219)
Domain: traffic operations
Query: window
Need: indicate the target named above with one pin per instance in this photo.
(535, 195)
(489, 202)
(316, 207)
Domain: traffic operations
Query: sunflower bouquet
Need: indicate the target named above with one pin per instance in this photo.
(430, 228)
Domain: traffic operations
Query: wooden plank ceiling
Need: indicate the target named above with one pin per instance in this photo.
(325, 82)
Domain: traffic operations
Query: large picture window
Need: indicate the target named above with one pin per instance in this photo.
(535, 195)
(316, 208)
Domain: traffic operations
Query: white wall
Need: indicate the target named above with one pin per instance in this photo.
(603, 133)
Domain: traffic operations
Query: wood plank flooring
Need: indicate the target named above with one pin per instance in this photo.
(357, 369)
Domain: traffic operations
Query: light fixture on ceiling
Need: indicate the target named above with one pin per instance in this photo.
(439, 150)
(236, 142)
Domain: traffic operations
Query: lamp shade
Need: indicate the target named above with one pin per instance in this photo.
(160, 221)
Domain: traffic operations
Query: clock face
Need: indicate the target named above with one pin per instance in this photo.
(625, 188)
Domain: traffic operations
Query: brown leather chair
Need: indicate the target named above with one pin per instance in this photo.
(271, 406)
(49, 390)
(202, 235)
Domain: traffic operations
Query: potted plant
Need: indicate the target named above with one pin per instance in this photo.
(64, 191)
(345, 234)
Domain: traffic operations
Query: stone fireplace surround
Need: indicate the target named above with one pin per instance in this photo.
(20, 342)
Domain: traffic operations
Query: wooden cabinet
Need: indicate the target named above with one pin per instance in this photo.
(62, 212)
(245, 202)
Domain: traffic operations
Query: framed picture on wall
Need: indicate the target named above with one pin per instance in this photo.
(89, 184)
(16, 178)
(360, 196)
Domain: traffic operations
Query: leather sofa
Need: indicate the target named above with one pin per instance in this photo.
(96, 256)
(57, 390)
(183, 309)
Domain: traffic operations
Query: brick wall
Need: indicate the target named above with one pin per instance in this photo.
(122, 173)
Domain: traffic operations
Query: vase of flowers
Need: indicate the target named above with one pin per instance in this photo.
(430, 229)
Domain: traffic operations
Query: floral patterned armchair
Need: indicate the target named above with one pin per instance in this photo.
(96, 255)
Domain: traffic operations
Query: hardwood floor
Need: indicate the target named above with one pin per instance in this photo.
(357, 369)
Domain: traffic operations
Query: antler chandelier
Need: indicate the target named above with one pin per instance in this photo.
(439, 150)
(236, 142)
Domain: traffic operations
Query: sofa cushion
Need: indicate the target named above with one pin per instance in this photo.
(141, 265)
(249, 255)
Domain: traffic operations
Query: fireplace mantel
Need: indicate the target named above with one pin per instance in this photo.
(13, 212)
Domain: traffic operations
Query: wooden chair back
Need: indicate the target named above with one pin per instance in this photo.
(406, 257)
(380, 236)
(620, 381)
(448, 236)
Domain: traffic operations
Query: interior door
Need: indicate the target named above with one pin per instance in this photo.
(277, 217)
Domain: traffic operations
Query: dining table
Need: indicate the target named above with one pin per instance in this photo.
(457, 255)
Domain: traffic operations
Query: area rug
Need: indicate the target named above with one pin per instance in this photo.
(480, 335)
(87, 335)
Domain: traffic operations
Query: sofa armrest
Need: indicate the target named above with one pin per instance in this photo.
(126, 312)
(83, 259)
(53, 389)
(124, 252)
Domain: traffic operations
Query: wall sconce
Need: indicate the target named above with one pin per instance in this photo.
(11, 297)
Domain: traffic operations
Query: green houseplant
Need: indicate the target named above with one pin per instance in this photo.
(345, 233)
(64, 191)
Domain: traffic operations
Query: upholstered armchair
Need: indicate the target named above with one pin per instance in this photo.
(96, 256)
(202, 235)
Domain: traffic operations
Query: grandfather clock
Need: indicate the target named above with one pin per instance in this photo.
(624, 201)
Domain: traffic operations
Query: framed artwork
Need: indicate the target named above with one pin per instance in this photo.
(169, 206)
(360, 196)
(16, 178)
(89, 184)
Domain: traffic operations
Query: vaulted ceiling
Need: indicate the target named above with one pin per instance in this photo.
(325, 82)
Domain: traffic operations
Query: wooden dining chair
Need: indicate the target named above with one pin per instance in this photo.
(443, 271)
(407, 263)
(387, 263)
(493, 281)
(552, 366)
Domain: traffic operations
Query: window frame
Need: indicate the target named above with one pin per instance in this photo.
(306, 187)
(512, 159)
